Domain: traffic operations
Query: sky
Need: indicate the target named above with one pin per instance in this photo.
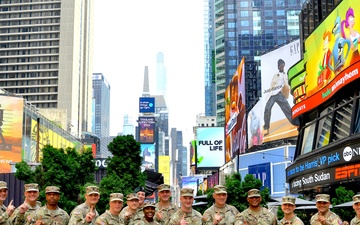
(127, 37)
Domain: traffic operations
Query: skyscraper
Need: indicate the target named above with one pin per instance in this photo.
(101, 95)
(161, 79)
(247, 29)
(45, 56)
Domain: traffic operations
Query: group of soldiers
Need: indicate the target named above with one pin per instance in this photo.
(141, 212)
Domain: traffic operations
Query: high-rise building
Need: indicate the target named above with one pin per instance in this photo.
(128, 125)
(46, 56)
(248, 29)
(161, 79)
(101, 96)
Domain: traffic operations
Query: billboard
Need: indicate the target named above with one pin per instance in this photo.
(147, 129)
(254, 125)
(210, 147)
(235, 111)
(276, 97)
(147, 105)
(164, 167)
(148, 155)
(331, 59)
(192, 181)
(262, 172)
(11, 121)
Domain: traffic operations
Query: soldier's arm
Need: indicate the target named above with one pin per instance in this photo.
(207, 218)
(77, 218)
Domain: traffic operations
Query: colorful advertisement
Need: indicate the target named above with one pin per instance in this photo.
(263, 173)
(147, 105)
(192, 152)
(276, 97)
(255, 124)
(210, 147)
(192, 182)
(330, 61)
(147, 129)
(148, 155)
(11, 120)
(235, 114)
(164, 167)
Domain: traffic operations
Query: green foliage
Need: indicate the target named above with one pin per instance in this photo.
(342, 196)
(123, 173)
(66, 169)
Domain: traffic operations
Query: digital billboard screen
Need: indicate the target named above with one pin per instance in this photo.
(147, 129)
(210, 147)
(147, 105)
(148, 155)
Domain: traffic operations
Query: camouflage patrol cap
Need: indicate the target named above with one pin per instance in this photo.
(52, 189)
(322, 198)
(131, 197)
(288, 200)
(149, 204)
(116, 197)
(220, 189)
(3, 185)
(163, 187)
(356, 199)
(254, 193)
(92, 190)
(31, 187)
(187, 192)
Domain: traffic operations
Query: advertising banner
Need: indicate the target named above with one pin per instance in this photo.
(148, 155)
(330, 60)
(147, 105)
(147, 129)
(192, 182)
(276, 97)
(263, 173)
(210, 147)
(254, 125)
(235, 114)
(164, 167)
(11, 124)
(192, 152)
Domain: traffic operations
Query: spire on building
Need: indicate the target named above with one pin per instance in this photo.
(146, 88)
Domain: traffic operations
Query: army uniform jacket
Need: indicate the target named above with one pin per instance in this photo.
(165, 212)
(228, 214)
(3, 215)
(19, 219)
(135, 217)
(78, 214)
(108, 219)
(143, 221)
(294, 221)
(193, 217)
(331, 218)
(48, 217)
(264, 217)
(355, 220)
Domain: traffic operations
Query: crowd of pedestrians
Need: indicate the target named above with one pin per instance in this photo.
(141, 212)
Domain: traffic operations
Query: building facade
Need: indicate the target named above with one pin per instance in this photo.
(46, 56)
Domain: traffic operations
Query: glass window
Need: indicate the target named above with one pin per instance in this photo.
(244, 4)
(268, 13)
(357, 118)
(231, 25)
(231, 6)
(231, 34)
(269, 23)
(231, 16)
(244, 23)
(233, 62)
(244, 32)
(280, 3)
(342, 122)
(281, 22)
(308, 138)
(244, 13)
(323, 135)
(280, 12)
(268, 3)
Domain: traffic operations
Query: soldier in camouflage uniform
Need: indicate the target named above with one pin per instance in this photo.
(186, 214)
(324, 216)
(30, 205)
(111, 216)
(255, 214)
(5, 212)
(356, 207)
(288, 206)
(164, 208)
(220, 212)
(130, 213)
(149, 212)
(50, 214)
(86, 213)
(140, 193)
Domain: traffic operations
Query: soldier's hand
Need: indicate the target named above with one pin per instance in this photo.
(183, 221)
(159, 215)
(127, 215)
(23, 208)
(39, 221)
(90, 215)
(245, 223)
(322, 220)
(217, 217)
(10, 209)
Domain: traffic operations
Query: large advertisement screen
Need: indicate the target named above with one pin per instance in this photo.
(164, 167)
(147, 105)
(235, 114)
(254, 125)
(330, 59)
(276, 97)
(210, 147)
(147, 129)
(11, 120)
(148, 155)
(262, 172)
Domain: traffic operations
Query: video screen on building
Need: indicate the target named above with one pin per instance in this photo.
(277, 100)
(148, 155)
(210, 147)
(146, 105)
(147, 129)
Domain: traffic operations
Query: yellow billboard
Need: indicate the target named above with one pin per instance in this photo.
(164, 168)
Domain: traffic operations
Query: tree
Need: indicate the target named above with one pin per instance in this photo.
(66, 169)
(342, 196)
(123, 173)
